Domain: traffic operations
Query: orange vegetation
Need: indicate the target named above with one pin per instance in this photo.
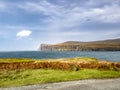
(62, 65)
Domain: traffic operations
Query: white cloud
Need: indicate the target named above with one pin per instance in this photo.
(63, 21)
(59, 18)
(24, 33)
(42, 7)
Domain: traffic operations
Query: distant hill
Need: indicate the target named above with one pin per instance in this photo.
(104, 45)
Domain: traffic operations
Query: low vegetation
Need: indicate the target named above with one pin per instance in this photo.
(61, 64)
(15, 60)
(18, 72)
(40, 76)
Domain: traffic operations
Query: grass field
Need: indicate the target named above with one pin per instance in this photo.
(40, 76)
(20, 60)
(19, 72)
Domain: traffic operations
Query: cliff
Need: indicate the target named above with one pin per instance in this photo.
(105, 45)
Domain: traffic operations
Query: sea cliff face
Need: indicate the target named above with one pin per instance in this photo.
(106, 45)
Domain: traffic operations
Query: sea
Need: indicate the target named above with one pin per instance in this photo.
(106, 55)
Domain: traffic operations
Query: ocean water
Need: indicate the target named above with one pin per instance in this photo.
(109, 56)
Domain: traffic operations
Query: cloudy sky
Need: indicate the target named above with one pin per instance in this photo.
(25, 24)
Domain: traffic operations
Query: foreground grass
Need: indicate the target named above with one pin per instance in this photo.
(19, 72)
(40, 76)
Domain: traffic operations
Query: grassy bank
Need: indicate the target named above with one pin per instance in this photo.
(40, 76)
(18, 72)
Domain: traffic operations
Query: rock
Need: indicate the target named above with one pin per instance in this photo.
(106, 45)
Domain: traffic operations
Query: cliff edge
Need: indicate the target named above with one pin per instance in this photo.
(105, 45)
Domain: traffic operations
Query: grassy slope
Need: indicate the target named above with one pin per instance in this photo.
(77, 59)
(12, 60)
(39, 76)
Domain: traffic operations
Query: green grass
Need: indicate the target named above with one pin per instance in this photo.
(16, 77)
(12, 60)
(40, 76)
(76, 59)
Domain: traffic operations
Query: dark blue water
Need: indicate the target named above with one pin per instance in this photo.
(110, 56)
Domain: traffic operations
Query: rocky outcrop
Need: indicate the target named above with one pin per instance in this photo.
(106, 45)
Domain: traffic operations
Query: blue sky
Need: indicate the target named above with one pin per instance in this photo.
(25, 24)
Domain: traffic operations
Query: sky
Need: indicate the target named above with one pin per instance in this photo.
(25, 24)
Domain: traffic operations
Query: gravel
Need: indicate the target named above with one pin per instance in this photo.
(91, 84)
